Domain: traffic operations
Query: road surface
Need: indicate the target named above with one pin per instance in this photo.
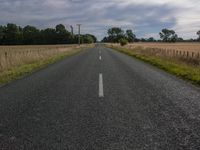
(100, 99)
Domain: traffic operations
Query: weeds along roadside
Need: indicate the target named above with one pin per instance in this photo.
(17, 61)
(186, 68)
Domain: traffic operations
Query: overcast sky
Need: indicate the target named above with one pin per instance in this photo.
(145, 17)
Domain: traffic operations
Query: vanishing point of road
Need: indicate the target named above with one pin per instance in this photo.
(100, 99)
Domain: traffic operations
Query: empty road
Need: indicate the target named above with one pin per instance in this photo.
(100, 99)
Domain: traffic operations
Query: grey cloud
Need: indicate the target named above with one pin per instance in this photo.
(95, 15)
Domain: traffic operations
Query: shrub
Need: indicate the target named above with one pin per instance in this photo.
(123, 42)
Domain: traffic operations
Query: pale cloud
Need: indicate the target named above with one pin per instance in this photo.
(145, 17)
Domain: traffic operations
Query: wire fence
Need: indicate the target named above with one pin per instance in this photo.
(189, 56)
(13, 56)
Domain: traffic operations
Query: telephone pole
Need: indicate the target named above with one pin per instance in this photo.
(79, 34)
(72, 30)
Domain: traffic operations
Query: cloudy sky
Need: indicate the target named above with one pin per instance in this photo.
(145, 17)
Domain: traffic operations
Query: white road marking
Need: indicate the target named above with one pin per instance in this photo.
(99, 57)
(101, 94)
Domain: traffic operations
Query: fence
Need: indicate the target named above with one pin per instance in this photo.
(172, 53)
(185, 55)
(13, 56)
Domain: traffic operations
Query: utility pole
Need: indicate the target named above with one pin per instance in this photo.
(79, 34)
(72, 30)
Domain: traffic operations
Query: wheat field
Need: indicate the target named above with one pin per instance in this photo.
(13, 56)
(186, 52)
(192, 47)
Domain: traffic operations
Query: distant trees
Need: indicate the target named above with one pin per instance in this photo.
(168, 35)
(123, 41)
(88, 38)
(151, 39)
(30, 35)
(11, 34)
(198, 33)
(2, 29)
(130, 36)
(116, 35)
(62, 35)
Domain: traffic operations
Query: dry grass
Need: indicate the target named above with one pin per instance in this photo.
(14, 56)
(192, 47)
(187, 68)
(183, 52)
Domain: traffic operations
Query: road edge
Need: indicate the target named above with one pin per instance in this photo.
(157, 62)
(28, 69)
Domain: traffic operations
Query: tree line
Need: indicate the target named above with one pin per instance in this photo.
(117, 35)
(11, 34)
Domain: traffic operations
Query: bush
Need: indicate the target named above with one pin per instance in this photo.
(123, 42)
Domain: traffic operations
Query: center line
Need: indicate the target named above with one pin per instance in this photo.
(99, 57)
(101, 94)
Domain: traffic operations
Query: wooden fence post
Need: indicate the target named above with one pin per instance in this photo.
(176, 53)
(192, 54)
(6, 55)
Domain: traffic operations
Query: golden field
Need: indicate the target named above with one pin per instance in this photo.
(180, 59)
(192, 47)
(14, 56)
(184, 52)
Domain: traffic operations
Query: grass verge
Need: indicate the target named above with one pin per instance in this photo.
(20, 71)
(187, 72)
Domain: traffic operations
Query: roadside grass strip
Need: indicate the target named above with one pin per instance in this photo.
(187, 72)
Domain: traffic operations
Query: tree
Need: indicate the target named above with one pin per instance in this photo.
(48, 36)
(2, 29)
(30, 35)
(198, 33)
(62, 35)
(12, 34)
(130, 36)
(105, 40)
(179, 39)
(60, 29)
(115, 34)
(123, 41)
(151, 39)
(168, 35)
(93, 37)
(87, 39)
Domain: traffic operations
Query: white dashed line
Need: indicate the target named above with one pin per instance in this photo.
(99, 57)
(101, 94)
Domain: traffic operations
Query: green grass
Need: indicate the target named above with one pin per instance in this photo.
(185, 71)
(20, 71)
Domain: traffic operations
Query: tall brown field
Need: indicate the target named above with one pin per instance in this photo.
(13, 56)
(185, 52)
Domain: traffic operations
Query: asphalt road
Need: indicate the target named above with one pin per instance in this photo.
(100, 99)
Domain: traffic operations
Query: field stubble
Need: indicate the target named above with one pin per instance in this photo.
(13, 56)
(188, 53)
(180, 62)
(16, 61)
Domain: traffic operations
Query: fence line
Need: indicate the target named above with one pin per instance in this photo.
(185, 55)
